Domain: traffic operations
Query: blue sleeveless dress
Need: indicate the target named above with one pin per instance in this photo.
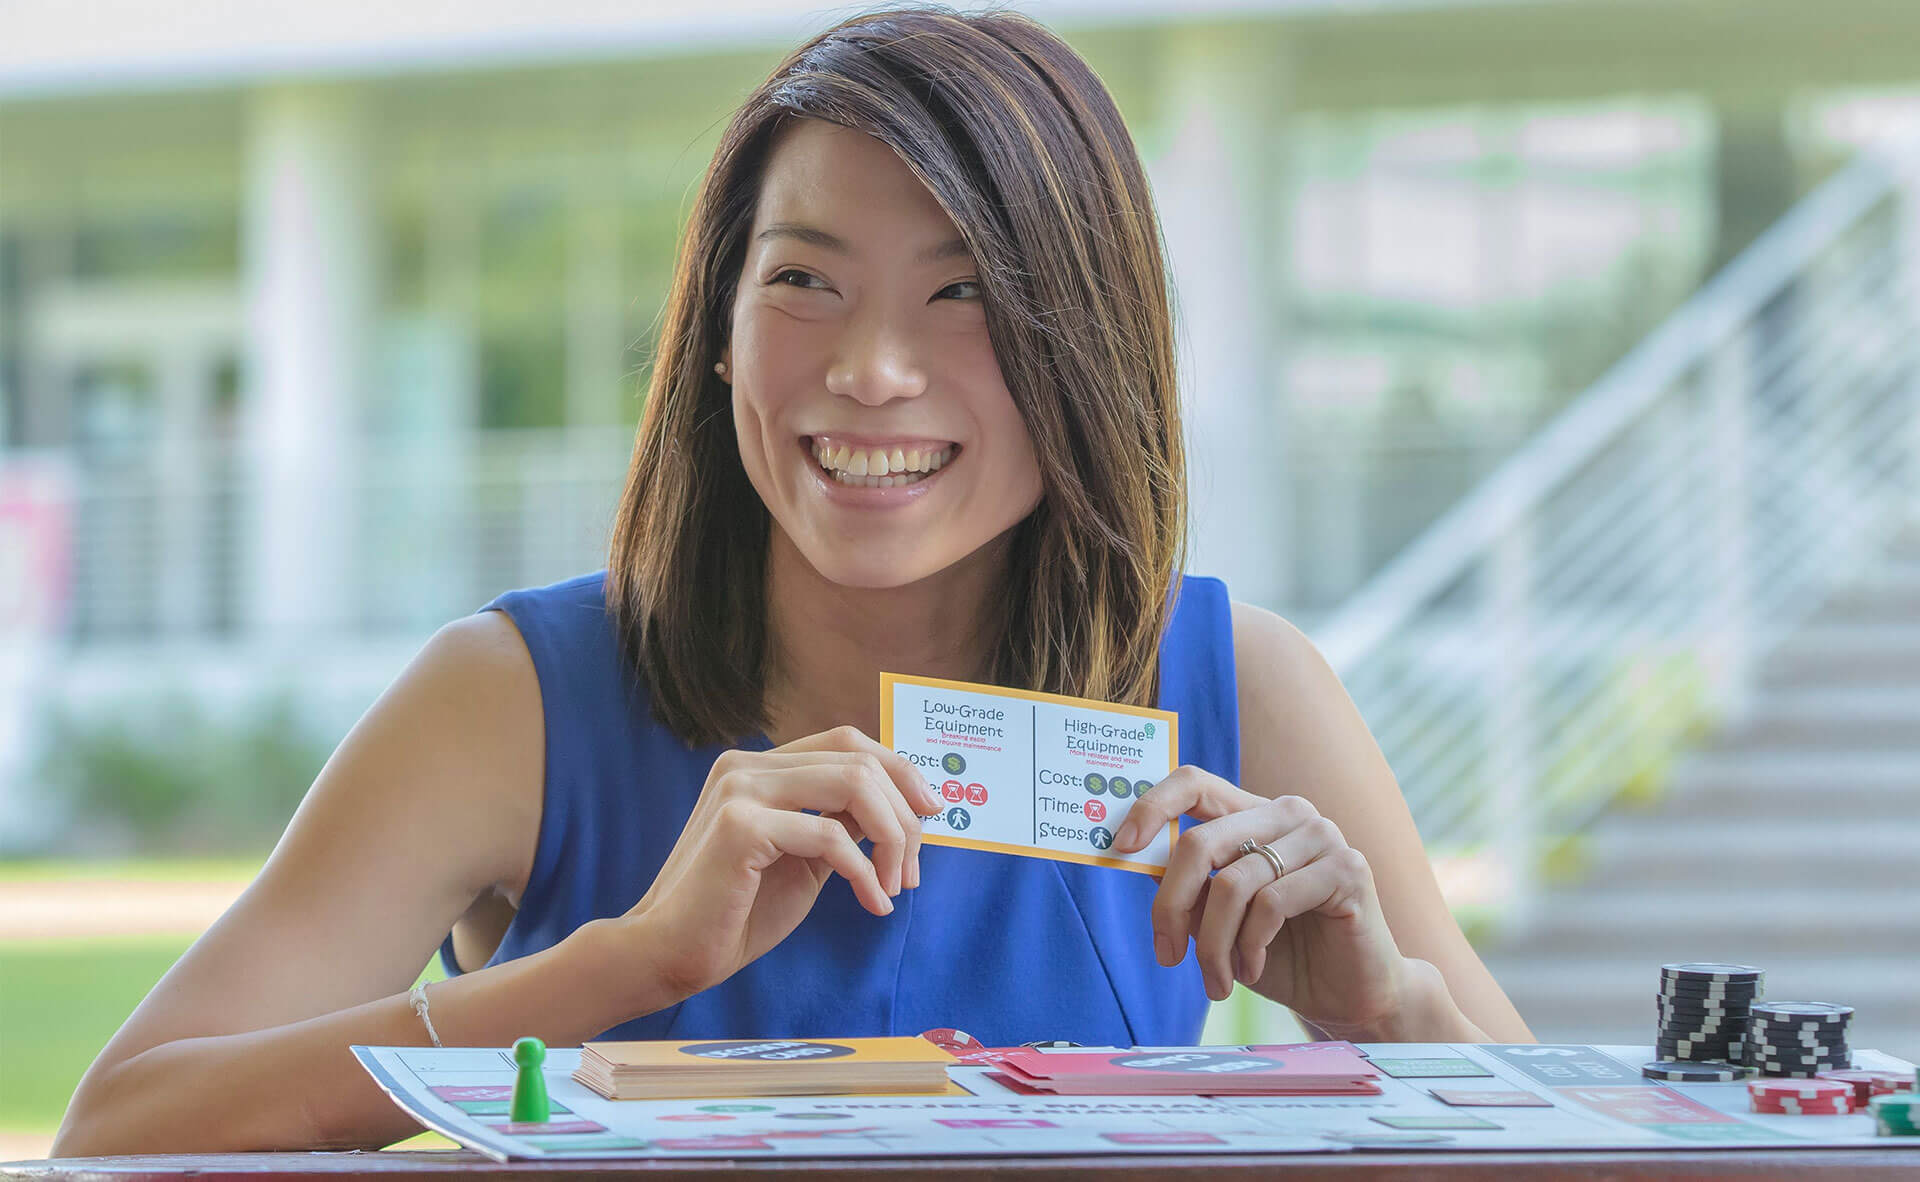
(1006, 948)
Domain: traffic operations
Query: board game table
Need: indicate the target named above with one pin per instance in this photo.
(1551, 1111)
(460, 1166)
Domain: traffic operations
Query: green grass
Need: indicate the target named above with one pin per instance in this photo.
(59, 1004)
(136, 869)
(61, 1000)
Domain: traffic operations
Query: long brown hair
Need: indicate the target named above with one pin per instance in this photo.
(1025, 150)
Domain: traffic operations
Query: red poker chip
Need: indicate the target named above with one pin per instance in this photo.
(1868, 1083)
(951, 1040)
(1813, 1110)
(1806, 1105)
(1845, 1104)
(1800, 1089)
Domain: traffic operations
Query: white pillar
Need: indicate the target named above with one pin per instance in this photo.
(11, 411)
(1221, 187)
(308, 231)
(180, 464)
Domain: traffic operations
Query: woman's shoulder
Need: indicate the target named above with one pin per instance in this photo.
(480, 672)
(1278, 668)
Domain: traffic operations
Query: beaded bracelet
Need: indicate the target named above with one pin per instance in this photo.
(418, 996)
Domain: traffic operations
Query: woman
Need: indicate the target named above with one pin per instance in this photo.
(914, 410)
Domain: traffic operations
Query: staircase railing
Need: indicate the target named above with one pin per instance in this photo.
(1603, 597)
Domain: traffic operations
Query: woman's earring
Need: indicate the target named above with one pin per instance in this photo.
(720, 367)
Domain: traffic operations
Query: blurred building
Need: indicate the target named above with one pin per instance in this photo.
(343, 322)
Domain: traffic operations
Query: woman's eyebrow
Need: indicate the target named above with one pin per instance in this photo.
(815, 236)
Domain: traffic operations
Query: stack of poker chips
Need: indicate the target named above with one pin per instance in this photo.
(1798, 1039)
(1703, 1011)
(1868, 1083)
(1802, 1097)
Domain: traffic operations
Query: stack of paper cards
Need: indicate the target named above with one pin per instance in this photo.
(1200, 1071)
(764, 1067)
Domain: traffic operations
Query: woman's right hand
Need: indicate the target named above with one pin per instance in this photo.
(751, 860)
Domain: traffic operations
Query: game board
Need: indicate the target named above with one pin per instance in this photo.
(1435, 1096)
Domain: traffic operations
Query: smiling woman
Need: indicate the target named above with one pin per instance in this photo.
(914, 411)
(924, 233)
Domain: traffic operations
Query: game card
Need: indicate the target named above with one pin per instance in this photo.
(1042, 775)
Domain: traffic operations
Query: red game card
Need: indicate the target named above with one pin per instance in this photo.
(1199, 1071)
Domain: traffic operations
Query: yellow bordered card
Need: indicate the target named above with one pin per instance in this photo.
(1037, 774)
(667, 1069)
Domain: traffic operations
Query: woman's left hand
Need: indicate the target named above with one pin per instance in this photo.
(1333, 961)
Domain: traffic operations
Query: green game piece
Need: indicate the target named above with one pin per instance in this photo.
(529, 1087)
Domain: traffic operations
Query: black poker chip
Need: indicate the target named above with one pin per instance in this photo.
(1798, 1033)
(1670, 1048)
(1709, 996)
(1744, 992)
(1800, 1048)
(1800, 1029)
(1704, 1014)
(1773, 1066)
(1682, 997)
(1679, 1035)
(1779, 1071)
(1796, 1039)
(1671, 982)
(1695, 971)
(1700, 1030)
(1718, 1040)
(1700, 1040)
(1687, 1072)
(1682, 1006)
(1800, 1055)
(1701, 1017)
(1051, 1044)
(1789, 1018)
(1803, 1011)
(1722, 1054)
(1816, 1027)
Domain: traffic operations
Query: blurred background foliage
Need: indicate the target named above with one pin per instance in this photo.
(174, 777)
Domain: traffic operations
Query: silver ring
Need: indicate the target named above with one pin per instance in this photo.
(1250, 846)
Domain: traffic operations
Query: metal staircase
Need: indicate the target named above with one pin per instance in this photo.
(1697, 590)
(1791, 842)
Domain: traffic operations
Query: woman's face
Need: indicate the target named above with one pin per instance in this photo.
(859, 347)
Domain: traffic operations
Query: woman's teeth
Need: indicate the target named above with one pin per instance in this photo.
(881, 467)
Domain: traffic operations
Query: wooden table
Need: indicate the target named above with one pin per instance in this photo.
(1795, 1164)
